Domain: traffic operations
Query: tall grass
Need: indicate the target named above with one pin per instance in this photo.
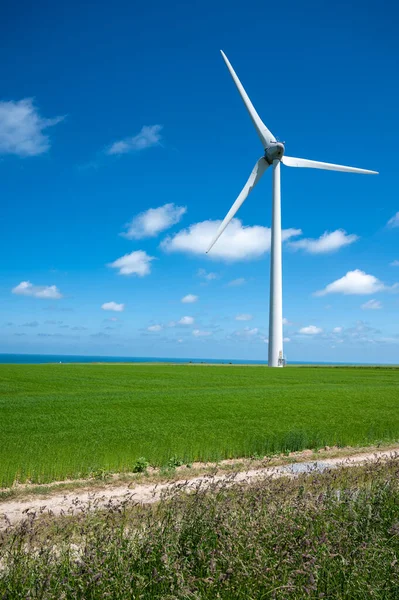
(332, 536)
(61, 421)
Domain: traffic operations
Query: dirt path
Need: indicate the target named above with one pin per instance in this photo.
(13, 511)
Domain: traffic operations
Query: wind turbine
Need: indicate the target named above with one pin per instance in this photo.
(273, 156)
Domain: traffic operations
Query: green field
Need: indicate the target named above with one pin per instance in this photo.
(60, 421)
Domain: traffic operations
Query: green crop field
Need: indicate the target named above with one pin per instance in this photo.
(60, 421)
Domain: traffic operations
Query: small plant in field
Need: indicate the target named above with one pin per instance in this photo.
(100, 474)
(140, 465)
(256, 456)
(174, 462)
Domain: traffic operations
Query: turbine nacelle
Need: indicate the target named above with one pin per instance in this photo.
(274, 152)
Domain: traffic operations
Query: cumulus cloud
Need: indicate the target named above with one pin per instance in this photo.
(247, 332)
(361, 333)
(371, 305)
(154, 328)
(56, 335)
(328, 242)
(244, 317)
(310, 330)
(286, 340)
(394, 263)
(394, 221)
(205, 275)
(48, 292)
(22, 128)
(100, 335)
(199, 333)
(286, 321)
(236, 282)
(113, 306)
(253, 331)
(154, 220)
(189, 299)
(135, 263)
(186, 321)
(150, 135)
(354, 282)
(236, 243)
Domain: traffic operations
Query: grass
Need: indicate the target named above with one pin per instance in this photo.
(333, 536)
(68, 421)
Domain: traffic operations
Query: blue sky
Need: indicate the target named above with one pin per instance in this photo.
(122, 135)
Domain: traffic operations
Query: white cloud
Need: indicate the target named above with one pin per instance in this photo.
(150, 135)
(253, 331)
(354, 282)
(186, 321)
(113, 306)
(236, 243)
(198, 333)
(394, 221)
(244, 317)
(394, 263)
(154, 328)
(361, 333)
(189, 299)
(247, 332)
(371, 305)
(236, 282)
(311, 330)
(135, 263)
(209, 276)
(154, 220)
(22, 128)
(26, 288)
(286, 321)
(286, 340)
(388, 340)
(180, 341)
(328, 242)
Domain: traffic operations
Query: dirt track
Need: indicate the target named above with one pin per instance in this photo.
(13, 511)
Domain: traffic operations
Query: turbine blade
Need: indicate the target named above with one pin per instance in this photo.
(255, 176)
(265, 135)
(289, 161)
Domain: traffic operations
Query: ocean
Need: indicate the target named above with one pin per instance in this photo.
(62, 358)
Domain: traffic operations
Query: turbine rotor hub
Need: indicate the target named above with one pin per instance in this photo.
(274, 152)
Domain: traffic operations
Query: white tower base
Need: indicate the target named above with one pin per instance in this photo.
(276, 277)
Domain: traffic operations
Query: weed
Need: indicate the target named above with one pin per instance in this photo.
(141, 465)
(174, 462)
(332, 535)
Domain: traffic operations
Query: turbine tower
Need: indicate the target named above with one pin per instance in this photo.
(273, 156)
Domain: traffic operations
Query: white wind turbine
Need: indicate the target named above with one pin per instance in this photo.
(274, 154)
